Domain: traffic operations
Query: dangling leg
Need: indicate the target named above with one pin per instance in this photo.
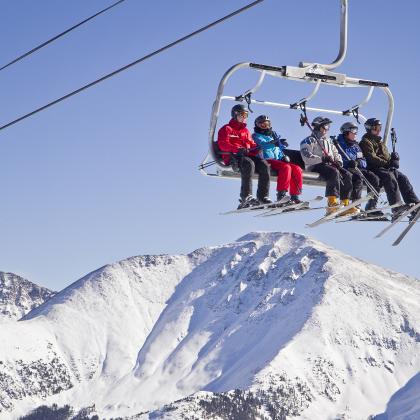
(262, 168)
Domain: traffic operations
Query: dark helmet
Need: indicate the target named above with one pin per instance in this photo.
(238, 109)
(349, 126)
(372, 122)
(318, 122)
(261, 119)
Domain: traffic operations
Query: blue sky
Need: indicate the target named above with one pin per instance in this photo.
(112, 172)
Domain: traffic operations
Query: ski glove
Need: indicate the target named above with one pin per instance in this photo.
(394, 164)
(241, 152)
(284, 142)
(339, 163)
(327, 159)
(353, 164)
(395, 156)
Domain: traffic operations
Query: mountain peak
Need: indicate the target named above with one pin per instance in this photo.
(18, 296)
(271, 313)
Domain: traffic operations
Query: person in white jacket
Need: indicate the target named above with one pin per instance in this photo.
(320, 155)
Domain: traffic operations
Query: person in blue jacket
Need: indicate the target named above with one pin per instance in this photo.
(354, 162)
(289, 175)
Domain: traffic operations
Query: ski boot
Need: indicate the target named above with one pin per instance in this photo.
(351, 212)
(413, 214)
(265, 200)
(248, 201)
(333, 205)
(296, 200)
(280, 196)
(398, 211)
(371, 205)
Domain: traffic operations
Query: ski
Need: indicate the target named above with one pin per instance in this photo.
(292, 207)
(363, 218)
(383, 208)
(294, 210)
(258, 207)
(337, 213)
(407, 229)
(399, 218)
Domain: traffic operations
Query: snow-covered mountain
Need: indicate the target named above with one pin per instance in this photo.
(18, 296)
(301, 328)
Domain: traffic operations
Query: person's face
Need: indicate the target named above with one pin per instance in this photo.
(324, 129)
(376, 129)
(264, 125)
(351, 135)
(242, 116)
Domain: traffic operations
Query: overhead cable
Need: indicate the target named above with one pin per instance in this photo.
(60, 35)
(172, 44)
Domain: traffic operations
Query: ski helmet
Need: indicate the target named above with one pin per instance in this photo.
(349, 127)
(318, 122)
(372, 122)
(238, 109)
(261, 119)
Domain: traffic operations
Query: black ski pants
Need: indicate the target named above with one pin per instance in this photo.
(248, 165)
(396, 184)
(358, 182)
(339, 180)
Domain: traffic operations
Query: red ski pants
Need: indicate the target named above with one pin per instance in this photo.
(289, 176)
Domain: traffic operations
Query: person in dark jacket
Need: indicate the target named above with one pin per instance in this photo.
(354, 162)
(386, 166)
(236, 139)
(289, 175)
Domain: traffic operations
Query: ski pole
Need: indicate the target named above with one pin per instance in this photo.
(393, 139)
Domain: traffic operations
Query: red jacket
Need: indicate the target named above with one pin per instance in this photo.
(235, 136)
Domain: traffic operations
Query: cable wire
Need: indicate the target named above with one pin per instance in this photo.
(59, 35)
(107, 76)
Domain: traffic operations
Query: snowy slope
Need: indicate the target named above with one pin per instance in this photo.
(273, 310)
(18, 296)
(87, 334)
(280, 315)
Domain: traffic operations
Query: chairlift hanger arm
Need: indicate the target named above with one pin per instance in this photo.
(307, 98)
(343, 39)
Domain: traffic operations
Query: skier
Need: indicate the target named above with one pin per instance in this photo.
(320, 155)
(289, 175)
(385, 166)
(354, 162)
(236, 139)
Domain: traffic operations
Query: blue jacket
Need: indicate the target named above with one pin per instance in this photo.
(353, 151)
(268, 149)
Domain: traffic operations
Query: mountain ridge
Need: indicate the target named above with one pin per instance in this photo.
(18, 296)
(268, 311)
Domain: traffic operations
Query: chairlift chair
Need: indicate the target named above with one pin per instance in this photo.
(315, 73)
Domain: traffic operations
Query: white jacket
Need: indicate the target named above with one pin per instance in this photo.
(312, 152)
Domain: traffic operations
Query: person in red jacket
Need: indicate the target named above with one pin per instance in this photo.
(235, 138)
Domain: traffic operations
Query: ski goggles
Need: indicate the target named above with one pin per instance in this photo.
(325, 127)
(243, 114)
(353, 130)
(264, 124)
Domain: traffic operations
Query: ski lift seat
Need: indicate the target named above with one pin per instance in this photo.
(309, 178)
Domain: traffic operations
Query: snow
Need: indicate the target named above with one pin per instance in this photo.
(268, 310)
(18, 296)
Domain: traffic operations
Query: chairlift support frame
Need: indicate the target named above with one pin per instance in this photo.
(318, 74)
